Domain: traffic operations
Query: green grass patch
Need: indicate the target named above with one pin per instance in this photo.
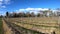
(1, 26)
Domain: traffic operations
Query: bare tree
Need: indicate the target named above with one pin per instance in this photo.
(28, 14)
(32, 14)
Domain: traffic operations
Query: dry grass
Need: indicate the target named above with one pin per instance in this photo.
(7, 30)
(44, 24)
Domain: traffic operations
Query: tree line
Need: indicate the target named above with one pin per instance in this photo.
(32, 14)
(46, 13)
(22, 14)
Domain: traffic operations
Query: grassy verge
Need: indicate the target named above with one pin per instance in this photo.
(1, 26)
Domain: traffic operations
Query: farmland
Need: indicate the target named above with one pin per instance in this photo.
(40, 24)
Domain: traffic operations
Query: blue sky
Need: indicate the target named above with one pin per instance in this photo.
(13, 5)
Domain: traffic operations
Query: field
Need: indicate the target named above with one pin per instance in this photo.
(1, 26)
(41, 24)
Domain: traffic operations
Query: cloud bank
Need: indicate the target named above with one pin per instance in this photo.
(35, 10)
(32, 9)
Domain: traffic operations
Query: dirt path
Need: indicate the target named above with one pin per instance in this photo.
(7, 30)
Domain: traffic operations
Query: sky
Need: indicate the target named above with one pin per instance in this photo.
(22, 5)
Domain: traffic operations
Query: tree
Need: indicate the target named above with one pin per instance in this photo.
(38, 15)
(28, 14)
(1, 16)
(32, 14)
(45, 13)
(21, 14)
(57, 8)
(14, 14)
(41, 13)
(7, 14)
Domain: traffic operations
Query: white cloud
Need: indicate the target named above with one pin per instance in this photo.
(1, 0)
(7, 1)
(2, 12)
(21, 10)
(35, 10)
(1, 3)
(2, 6)
(4, 2)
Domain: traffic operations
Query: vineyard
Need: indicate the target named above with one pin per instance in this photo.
(36, 25)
